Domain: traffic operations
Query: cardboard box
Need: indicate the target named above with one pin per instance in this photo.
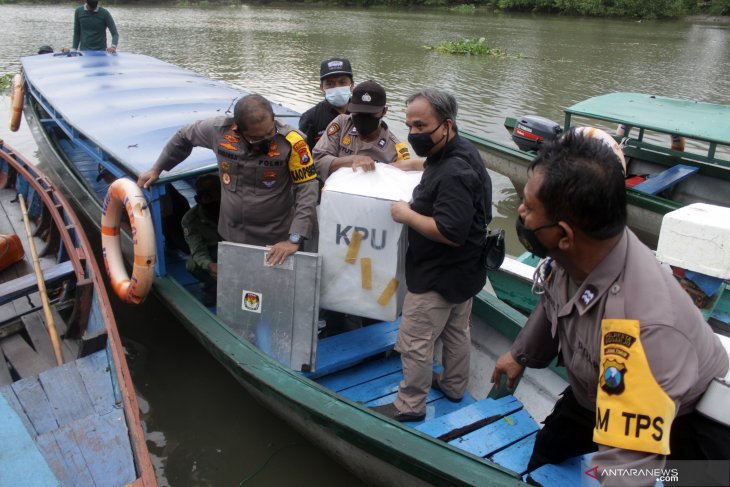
(363, 249)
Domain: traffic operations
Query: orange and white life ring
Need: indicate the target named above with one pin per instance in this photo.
(606, 139)
(124, 194)
(17, 96)
(677, 140)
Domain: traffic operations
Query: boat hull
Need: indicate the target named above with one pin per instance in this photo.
(380, 452)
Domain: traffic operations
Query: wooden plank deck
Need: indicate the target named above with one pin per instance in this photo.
(71, 416)
(354, 365)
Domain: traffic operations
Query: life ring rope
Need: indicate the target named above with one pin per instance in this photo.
(124, 195)
(17, 97)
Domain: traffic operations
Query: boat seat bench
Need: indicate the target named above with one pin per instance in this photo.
(341, 351)
(27, 284)
(666, 179)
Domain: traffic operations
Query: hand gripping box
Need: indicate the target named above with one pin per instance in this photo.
(363, 249)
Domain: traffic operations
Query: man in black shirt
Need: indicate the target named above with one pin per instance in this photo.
(336, 83)
(445, 267)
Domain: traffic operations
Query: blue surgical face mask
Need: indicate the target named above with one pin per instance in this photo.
(338, 96)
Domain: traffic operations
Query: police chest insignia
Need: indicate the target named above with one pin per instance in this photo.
(618, 338)
(273, 150)
(226, 178)
(381, 143)
(228, 146)
(268, 179)
(233, 139)
(346, 140)
(612, 378)
(589, 294)
(333, 128)
(224, 165)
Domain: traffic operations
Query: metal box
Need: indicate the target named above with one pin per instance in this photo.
(274, 307)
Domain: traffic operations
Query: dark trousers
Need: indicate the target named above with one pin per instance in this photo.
(568, 432)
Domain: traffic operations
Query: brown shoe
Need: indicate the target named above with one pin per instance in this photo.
(435, 386)
(393, 412)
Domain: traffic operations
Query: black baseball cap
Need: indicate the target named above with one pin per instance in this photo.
(335, 65)
(367, 97)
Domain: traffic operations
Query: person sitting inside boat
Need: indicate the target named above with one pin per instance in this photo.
(360, 138)
(90, 25)
(335, 76)
(200, 227)
(267, 175)
(639, 354)
(445, 268)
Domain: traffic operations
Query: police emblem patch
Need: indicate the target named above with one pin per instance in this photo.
(224, 165)
(226, 178)
(346, 140)
(589, 294)
(612, 378)
(381, 143)
(333, 128)
(366, 97)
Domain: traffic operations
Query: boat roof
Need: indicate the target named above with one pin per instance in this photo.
(129, 105)
(693, 119)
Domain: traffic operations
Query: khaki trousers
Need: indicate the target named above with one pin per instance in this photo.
(427, 317)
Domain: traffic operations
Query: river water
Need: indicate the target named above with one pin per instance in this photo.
(202, 428)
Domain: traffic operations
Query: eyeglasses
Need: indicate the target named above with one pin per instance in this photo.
(256, 140)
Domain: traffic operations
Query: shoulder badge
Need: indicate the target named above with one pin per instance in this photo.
(301, 167)
(333, 128)
(402, 151)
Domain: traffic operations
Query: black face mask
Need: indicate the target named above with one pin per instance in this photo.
(92, 4)
(365, 124)
(422, 143)
(528, 238)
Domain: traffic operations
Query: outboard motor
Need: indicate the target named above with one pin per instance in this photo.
(531, 131)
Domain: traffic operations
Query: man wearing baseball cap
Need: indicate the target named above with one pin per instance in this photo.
(335, 75)
(360, 138)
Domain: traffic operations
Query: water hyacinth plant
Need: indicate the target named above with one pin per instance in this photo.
(476, 47)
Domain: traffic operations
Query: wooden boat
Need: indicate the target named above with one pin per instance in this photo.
(659, 179)
(68, 410)
(99, 117)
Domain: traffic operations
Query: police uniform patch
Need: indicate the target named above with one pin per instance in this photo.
(633, 411)
(612, 377)
(273, 150)
(268, 179)
(381, 143)
(333, 128)
(233, 139)
(224, 165)
(402, 151)
(300, 164)
(589, 294)
(226, 178)
(346, 140)
(228, 146)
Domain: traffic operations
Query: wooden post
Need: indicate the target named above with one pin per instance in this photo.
(50, 323)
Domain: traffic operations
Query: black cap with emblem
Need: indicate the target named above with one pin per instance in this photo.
(367, 97)
(335, 65)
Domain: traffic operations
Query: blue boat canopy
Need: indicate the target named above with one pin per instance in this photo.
(129, 105)
(692, 119)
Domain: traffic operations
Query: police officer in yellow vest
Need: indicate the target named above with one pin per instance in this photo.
(267, 175)
(637, 351)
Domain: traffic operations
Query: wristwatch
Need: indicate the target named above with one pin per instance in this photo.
(295, 238)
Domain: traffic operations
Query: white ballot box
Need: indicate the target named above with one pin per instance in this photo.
(362, 248)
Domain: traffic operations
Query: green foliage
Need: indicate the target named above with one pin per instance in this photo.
(466, 8)
(477, 47)
(6, 80)
(621, 8)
